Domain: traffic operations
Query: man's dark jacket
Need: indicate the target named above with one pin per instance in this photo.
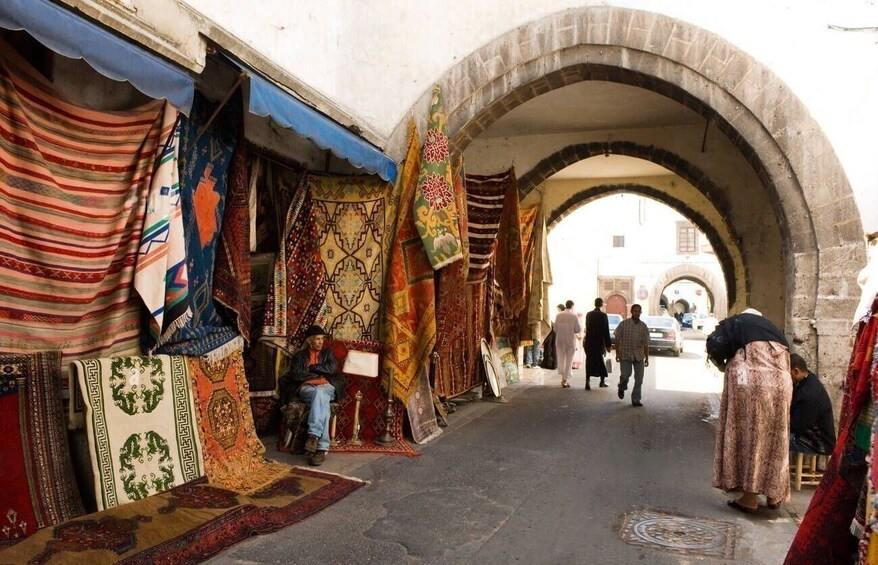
(597, 332)
(299, 371)
(811, 414)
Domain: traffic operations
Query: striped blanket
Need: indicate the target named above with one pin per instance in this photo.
(485, 195)
(73, 189)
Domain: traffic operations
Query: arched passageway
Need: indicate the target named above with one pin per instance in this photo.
(774, 186)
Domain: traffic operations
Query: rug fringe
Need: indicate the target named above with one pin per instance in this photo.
(312, 470)
(173, 327)
(225, 350)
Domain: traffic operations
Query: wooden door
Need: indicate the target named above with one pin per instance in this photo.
(616, 304)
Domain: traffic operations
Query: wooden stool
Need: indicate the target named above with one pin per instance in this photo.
(294, 427)
(804, 470)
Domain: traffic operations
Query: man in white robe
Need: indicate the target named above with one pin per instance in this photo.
(566, 327)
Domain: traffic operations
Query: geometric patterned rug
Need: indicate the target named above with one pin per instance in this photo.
(680, 534)
(187, 524)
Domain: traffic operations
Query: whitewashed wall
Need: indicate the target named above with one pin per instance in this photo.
(374, 58)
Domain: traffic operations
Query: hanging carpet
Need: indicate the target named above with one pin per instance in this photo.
(298, 291)
(435, 207)
(188, 524)
(140, 419)
(509, 267)
(453, 375)
(824, 535)
(231, 277)
(204, 167)
(354, 215)
(73, 191)
(539, 311)
(38, 485)
(234, 457)
(161, 276)
(410, 298)
(528, 238)
(485, 195)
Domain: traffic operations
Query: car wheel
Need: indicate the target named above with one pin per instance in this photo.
(676, 352)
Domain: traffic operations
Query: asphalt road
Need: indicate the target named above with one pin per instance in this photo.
(547, 478)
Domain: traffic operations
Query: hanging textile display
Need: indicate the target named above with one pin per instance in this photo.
(410, 298)
(161, 277)
(509, 269)
(73, 195)
(824, 535)
(528, 236)
(140, 418)
(231, 278)
(485, 195)
(38, 485)
(205, 157)
(298, 290)
(188, 524)
(353, 214)
(234, 458)
(435, 209)
(539, 314)
(453, 376)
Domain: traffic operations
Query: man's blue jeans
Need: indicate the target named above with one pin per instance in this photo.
(318, 398)
(532, 354)
(625, 367)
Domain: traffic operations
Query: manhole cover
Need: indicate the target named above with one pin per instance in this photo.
(680, 534)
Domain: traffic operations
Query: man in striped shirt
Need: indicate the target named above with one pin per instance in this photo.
(632, 353)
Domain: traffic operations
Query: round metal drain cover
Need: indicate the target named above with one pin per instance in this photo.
(680, 534)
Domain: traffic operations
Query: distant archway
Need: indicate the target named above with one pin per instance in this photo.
(714, 285)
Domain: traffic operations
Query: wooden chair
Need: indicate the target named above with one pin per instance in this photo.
(804, 470)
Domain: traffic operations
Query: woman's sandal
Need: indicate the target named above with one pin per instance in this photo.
(773, 505)
(738, 506)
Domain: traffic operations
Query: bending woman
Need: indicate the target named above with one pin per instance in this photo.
(752, 439)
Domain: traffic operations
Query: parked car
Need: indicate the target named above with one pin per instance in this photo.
(665, 333)
(706, 324)
(688, 319)
(614, 320)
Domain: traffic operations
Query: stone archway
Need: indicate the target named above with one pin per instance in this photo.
(702, 276)
(808, 195)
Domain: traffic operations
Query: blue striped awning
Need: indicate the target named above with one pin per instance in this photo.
(66, 33)
(269, 100)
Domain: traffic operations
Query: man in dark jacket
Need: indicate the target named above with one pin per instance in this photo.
(312, 375)
(597, 343)
(812, 427)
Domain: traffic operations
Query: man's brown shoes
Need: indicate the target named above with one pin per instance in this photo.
(317, 459)
(311, 445)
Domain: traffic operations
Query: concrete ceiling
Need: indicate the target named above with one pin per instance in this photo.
(613, 166)
(589, 106)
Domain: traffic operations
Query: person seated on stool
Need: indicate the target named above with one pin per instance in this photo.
(312, 376)
(812, 427)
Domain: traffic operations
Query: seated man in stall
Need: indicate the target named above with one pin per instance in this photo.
(812, 426)
(312, 377)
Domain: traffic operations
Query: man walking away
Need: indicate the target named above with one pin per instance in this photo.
(632, 353)
(597, 343)
(566, 328)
